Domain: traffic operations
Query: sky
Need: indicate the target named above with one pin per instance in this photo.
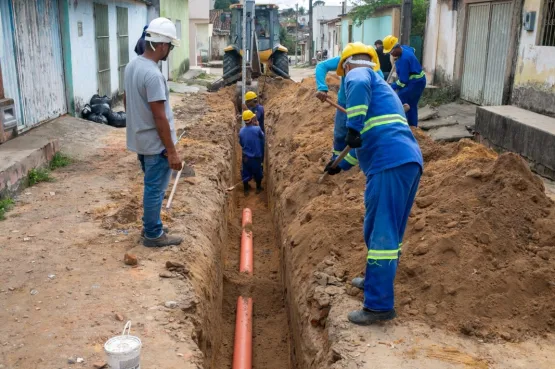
(283, 4)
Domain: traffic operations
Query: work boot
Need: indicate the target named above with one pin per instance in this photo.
(358, 282)
(163, 240)
(165, 229)
(367, 317)
(259, 187)
(246, 188)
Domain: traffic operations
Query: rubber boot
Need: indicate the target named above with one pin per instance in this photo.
(367, 317)
(246, 188)
(259, 187)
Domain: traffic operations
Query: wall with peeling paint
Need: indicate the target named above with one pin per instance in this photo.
(534, 82)
(440, 42)
(83, 46)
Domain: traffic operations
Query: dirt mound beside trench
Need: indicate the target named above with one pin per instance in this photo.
(478, 249)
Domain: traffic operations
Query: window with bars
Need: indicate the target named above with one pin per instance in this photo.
(548, 24)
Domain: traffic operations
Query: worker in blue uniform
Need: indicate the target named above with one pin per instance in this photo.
(340, 128)
(391, 160)
(251, 139)
(251, 100)
(411, 80)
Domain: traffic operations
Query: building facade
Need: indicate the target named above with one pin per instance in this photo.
(200, 31)
(56, 54)
(385, 21)
(495, 53)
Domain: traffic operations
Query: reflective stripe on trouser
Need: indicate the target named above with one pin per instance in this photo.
(388, 199)
(411, 95)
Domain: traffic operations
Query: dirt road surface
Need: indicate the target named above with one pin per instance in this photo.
(65, 289)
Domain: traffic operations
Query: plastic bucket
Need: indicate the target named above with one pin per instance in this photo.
(123, 352)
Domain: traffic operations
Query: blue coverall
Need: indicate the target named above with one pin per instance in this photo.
(251, 139)
(392, 163)
(339, 128)
(411, 82)
(259, 111)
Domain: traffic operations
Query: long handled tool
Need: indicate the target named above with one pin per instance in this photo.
(170, 199)
(229, 189)
(336, 162)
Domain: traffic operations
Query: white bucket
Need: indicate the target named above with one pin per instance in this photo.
(123, 352)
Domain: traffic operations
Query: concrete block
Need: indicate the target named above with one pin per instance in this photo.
(521, 131)
(19, 156)
(450, 133)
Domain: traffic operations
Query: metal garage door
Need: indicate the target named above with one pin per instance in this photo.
(102, 33)
(39, 58)
(486, 51)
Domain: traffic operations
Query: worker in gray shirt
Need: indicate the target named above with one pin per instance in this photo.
(150, 127)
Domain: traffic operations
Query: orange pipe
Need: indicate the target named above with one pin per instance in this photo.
(242, 350)
(247, 216)
(246, 260)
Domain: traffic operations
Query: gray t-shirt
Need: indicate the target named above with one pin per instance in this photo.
(144, 83)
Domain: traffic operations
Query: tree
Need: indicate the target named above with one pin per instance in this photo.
(319, 2)
(364, 9)
(286, 40)
(302, 10)
(224, 4)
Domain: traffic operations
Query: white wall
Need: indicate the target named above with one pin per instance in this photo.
(440, 42)
(322, 12)
(534, 82)
(83, 49)
(199, 9)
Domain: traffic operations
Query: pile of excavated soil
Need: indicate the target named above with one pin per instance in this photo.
(477, 255)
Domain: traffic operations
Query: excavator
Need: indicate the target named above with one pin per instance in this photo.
(264, 53)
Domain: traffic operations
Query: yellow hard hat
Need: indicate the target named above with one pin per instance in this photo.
(375, 58)
(248, 115)
(250, 96)
(356, 48)
(389, 42)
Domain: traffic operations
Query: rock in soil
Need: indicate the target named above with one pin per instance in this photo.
(170, 304)
(130, 259)
(167, 275)
(100, 365)
(119, 317)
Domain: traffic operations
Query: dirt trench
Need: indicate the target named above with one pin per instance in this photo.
(271, 341)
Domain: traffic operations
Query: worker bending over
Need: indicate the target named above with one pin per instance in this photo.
(391, 160)
(251, 100)
(340, 128)
(251, 139)
(411, 80)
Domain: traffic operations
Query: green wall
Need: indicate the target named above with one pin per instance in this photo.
(178, 10)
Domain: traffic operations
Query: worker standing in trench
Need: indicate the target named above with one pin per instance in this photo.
(392, 162)
(411, 80)
(251, 139)
(150, 127)
(339, 129)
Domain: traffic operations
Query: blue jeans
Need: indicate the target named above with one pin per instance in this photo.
(157, 177)
(388, 199)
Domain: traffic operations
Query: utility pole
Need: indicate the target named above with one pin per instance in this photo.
(297, 35)
(311, 31)
(406, 21)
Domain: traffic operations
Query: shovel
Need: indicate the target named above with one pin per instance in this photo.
(229, 189)
(186, 171)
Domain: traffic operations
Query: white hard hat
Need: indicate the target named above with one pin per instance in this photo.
(162, 30)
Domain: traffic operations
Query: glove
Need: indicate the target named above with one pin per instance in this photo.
(332, 171)
(353, 139)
